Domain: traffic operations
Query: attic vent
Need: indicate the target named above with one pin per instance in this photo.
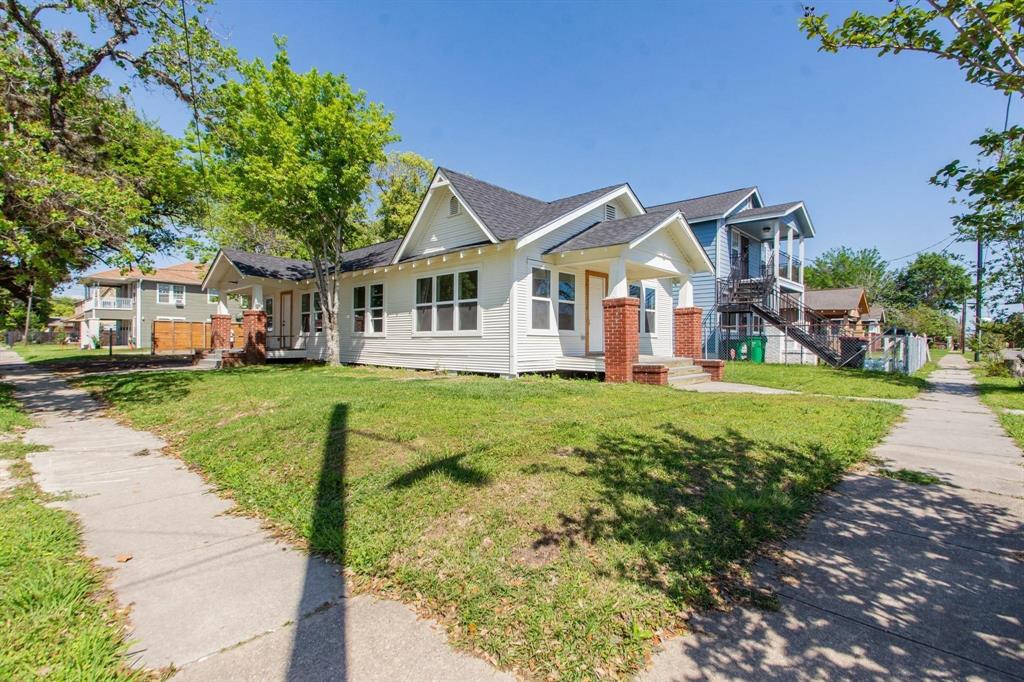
(609, 212)
(453, 206)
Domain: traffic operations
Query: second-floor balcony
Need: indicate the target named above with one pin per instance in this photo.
(790, 267)
(108, 303)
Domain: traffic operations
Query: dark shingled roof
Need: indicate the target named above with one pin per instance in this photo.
(765, 211)
(847, 298)
(612, 232)
(272, 267)
(510, 215)
(710, 206)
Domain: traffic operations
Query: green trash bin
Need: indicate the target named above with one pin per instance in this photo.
(757, 348)
(740, 349)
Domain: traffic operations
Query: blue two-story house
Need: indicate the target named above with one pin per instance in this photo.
(754, 301)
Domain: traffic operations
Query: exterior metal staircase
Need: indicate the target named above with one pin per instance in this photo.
(760, 295)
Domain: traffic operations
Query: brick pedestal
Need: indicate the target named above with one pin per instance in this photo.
(716, 368)
(686, 341)
(656, 375)
(621, 338)
(220, 331)
(254, 334)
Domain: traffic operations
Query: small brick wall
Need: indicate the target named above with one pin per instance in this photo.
(716, 368)
(686, 338)
(220, 331)
(621, 338)
(254, 332)
(656, 375)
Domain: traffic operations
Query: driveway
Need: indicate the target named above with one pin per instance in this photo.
(891, 580)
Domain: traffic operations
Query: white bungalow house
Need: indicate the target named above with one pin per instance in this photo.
(488, 280)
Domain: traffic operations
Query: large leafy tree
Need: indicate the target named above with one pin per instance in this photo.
(934, 280)
(846, 267)
(400, 184)
(984, 39)
(294, 153)
(84, 178)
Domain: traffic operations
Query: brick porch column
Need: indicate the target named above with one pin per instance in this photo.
(686, 341)
(220, 331)
(621, 338)
(254, 331)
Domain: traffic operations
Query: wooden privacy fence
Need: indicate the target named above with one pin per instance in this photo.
(173, 336)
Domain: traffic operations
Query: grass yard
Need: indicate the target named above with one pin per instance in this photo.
(57, 619)
(555, 526)
(1001, 393)
(827, 380)
(70, 358)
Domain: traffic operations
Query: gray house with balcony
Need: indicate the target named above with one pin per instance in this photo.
(122, 306)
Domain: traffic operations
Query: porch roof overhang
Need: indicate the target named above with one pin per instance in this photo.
(666, 247)
(771, 218)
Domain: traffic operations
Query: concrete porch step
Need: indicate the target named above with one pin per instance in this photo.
(669, 362)
(683, 370)
(687, 379)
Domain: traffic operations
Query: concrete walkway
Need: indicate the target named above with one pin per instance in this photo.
(211, 593)
(892, 580)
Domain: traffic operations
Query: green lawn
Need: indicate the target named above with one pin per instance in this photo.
(826, 380)
(1000, 393)
(555, 526)
(57, 619)
(73, 359)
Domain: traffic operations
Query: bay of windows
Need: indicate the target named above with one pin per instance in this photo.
(448, 303)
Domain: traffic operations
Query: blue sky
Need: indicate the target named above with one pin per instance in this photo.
(678, 99)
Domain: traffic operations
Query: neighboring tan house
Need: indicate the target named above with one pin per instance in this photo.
(875, 320)
(843, 309)
(488, 280)
(125, 304)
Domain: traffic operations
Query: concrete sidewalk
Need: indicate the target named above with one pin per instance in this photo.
(212, 593)
(892, 580)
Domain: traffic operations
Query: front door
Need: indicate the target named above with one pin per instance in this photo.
(597, 289)
(284, 321)
(744, 257)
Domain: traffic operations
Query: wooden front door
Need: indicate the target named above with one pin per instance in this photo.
(597, 290)
(284, 322)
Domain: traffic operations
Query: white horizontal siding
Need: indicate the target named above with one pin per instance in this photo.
(438, 231)
(402, 347)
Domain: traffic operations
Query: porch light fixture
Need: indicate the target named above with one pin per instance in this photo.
(766, 229)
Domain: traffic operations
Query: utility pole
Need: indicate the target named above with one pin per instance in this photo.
(963, 324)
(980, 267)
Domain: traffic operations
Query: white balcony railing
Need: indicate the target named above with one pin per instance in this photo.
(108, 303)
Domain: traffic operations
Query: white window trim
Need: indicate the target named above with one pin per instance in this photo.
(173, 298)
(556, 295)
(433, 333)
(209, 294)
(368, 325)
(312, 316)
(643, 289)
(552, 328)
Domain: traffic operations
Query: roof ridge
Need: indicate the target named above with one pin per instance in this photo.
(704, 196)
(589, 191)
(491, 184)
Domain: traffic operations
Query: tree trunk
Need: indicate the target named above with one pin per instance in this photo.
(334, 331)
(28, 312)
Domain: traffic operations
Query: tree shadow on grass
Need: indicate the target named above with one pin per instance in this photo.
(689, 507)
(451, 467)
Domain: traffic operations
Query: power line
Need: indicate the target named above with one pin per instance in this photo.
(949, 237)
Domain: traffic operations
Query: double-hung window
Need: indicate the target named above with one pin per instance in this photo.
(368, 309)
(170, 293)
(448, 303)
(311, 315)
(268, 308)
(540, 293)
(212, 296)
(647, 297)
(566, 301)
